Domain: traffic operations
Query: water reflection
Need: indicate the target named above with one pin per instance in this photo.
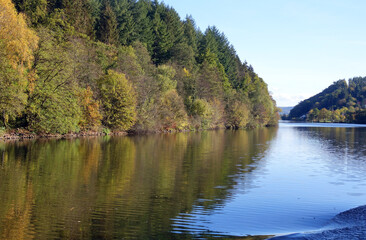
(346, 140)
(305, 177)
(346, 154)
(122, 187)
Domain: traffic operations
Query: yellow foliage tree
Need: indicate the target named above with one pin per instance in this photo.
(17, 43)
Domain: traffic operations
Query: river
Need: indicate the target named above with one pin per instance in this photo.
(293, 178)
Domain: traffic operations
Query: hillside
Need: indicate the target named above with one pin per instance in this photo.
(121, 65)
(339, 102)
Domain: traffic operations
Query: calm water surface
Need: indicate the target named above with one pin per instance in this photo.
(180, 186)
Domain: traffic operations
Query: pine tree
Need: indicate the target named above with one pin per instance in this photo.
(79, 15)
(162, 40)
(142, 14)
(126, 24)
(36, 11)
(108, 27)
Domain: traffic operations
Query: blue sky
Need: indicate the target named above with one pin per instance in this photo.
(299, 47)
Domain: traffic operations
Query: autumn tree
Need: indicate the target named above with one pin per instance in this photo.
(238, 115)
(17, 43)
(91, 116)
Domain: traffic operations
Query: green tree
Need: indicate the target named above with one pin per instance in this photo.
(162, 39)
(165, 78)
(36, 11)
(108, 26)
(118, 101)
(53, 105)
(190, 33)
(125, 20)
(143, 33)
(79, 15)
(216, 42)
(263, 107)
(212, 81)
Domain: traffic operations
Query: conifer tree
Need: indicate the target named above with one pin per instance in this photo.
(126, 24)
(108, 26)
(36, 10)
(142, 14)
(78, 14)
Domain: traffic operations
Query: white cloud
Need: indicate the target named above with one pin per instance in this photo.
(289, 100)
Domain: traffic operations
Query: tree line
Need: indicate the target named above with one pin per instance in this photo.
(121, 65)
(340, 102)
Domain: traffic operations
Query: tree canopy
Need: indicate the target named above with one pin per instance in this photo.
(69, 66)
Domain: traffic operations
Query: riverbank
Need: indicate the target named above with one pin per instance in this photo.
(22, 134)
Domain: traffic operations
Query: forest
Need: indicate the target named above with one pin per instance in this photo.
(69, 66)
(341, 102)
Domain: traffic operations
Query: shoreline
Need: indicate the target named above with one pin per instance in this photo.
(22, 134)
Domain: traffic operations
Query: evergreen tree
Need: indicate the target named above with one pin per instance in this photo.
(79, 15)
(212, 81)
(36, 10)
(142, 14)
(190, 33)
(162, 40)
(126, 23)
(108, 27)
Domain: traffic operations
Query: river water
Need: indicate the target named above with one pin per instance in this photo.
(268, 181)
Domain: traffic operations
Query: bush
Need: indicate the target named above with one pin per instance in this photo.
(106, 131)
(2, 131)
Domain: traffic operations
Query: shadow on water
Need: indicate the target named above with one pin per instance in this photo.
(122, 187)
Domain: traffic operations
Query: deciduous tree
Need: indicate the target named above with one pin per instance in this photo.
(17, 43)
(118, 101)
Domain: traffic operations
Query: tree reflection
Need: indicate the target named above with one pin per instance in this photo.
(119, 187)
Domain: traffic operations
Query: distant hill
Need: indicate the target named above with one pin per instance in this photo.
(350, 98)
(285, 110)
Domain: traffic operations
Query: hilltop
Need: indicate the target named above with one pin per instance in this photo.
(340, 102)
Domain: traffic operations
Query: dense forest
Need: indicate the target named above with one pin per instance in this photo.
(121, 65)
(340, 102)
